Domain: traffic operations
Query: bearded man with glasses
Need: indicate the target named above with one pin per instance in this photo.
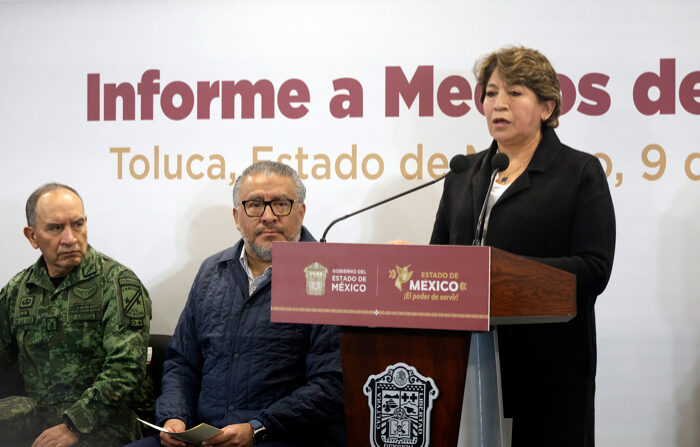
(227, 365)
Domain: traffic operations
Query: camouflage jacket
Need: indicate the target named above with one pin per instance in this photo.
(81, 345)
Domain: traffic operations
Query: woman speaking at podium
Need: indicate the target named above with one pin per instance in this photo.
(551, 204)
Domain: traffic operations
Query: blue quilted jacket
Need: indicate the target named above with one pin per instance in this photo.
(227, 363)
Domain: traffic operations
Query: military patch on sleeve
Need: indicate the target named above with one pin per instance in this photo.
(131, 306)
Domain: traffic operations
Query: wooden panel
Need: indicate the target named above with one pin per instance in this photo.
(440, 355)
(524, 288)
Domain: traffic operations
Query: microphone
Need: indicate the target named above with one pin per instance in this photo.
(458, 164)
(499, 163)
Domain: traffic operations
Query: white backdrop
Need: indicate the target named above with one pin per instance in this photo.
(648, 318)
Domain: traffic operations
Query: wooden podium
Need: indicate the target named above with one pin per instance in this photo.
(426, 309)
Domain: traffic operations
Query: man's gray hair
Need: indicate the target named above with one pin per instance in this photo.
(30, 207)
(267, 167)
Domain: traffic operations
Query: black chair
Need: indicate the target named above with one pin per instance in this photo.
(157, 344)
(11, 383)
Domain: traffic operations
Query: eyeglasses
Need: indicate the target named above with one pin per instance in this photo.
(279, 207)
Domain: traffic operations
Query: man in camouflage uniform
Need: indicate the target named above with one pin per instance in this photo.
(77, 323)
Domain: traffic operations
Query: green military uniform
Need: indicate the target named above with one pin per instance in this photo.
(81, 349)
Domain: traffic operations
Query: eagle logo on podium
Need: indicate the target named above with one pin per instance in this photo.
(400, 401)
(401, 276)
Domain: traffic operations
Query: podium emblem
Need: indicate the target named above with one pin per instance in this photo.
(400, 401)
(315, 279)
(400, 275)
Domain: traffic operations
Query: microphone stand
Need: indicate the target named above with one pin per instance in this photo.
(499, 163)
(480, 225)
(323, 238)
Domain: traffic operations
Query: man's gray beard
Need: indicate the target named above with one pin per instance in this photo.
(262, 253)
(265, 253)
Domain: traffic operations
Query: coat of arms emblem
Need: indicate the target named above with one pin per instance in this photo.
(400, 401)
(315, 279)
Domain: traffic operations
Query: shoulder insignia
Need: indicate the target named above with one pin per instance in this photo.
(86, 292)
(130, 294)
